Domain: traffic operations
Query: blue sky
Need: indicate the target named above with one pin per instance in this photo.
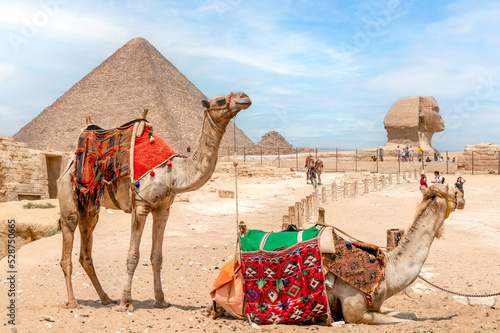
(321, 73)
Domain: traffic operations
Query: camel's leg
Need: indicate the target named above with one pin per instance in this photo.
(160, 217)
(68, 227)
(138, 222)
(355, 310)
(87, 224)
(398, 314)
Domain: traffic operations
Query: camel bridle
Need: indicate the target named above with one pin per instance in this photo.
(449, 199)
(227, 106)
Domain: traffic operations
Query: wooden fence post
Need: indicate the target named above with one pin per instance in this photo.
(298, 220)
(346, 189)
(390, 179)
(285, 223)
(321, 216)
(291, 214)
(375, 183)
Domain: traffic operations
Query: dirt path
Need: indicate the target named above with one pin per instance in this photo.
(200, 237)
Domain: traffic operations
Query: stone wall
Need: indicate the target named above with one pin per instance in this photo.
(27, 173)
(486, 158)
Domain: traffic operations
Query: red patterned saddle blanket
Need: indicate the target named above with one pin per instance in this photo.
(286, 285)
(359, 264)
(103, 157)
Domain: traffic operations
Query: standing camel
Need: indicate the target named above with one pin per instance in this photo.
(319, 169)
(403, 264)
(154, 196)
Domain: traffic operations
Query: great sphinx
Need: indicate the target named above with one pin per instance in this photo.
(412, 121)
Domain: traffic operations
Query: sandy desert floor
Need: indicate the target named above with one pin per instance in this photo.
(200, 238)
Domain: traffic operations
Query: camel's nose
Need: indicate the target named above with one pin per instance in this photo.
(243, 99)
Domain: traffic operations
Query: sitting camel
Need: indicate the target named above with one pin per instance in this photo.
(403, 264)
(154, 196)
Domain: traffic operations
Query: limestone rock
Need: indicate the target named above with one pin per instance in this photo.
(412, 121)
(486, 158)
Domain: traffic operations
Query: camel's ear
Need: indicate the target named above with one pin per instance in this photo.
(423, 189)
(205, 104)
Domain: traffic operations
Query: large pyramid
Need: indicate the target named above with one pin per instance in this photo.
(135, 77)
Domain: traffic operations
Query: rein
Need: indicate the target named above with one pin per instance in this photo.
(449, 199)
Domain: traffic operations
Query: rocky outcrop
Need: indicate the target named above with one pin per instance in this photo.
(412, 121)
(486, 158)
(270, 143)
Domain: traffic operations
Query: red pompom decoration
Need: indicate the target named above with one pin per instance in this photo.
(169, 163)
(152, 173)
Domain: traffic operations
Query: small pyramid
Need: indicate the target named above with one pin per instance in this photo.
(270, 143)
(134, 78)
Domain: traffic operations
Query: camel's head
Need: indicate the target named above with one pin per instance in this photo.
(451, 194)
(222, 109)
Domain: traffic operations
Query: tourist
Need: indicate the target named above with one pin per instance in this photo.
(428, 159)
(420, 153)
(438, 179)
(313, 177)
(410, 153)
(423, 180)
(460, 184)
(380, 154)
(436, 155)
(454, 160)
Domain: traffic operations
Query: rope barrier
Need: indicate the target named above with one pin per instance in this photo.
(457, 293)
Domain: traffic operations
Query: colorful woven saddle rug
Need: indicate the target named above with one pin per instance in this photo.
(104, 156)
(359, 264)
(283, 284)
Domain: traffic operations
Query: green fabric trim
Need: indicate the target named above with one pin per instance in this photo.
(276, 240)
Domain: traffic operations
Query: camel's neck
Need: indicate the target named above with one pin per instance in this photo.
(403, 264)
(193, 172)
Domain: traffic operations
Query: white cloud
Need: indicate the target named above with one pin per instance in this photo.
(56, 21)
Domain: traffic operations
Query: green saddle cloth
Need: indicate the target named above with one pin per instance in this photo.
(275, 240)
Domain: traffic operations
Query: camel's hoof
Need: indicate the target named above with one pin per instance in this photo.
(108, 301)
(125, 307)
(162, 305)
(74, 305)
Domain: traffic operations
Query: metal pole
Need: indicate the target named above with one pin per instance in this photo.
(261, 155)
(423, 166)
(472, 162)
(228, 153)
(447, 162)
(336, 159)
(399, 164)
(376, 155)
(244, 155)
(316, 153)
(356, 161)
(279, 164)
(297, 159)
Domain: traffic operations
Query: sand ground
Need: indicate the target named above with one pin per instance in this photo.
(200, 238)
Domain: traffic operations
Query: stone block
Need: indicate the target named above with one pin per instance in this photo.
(225, 194)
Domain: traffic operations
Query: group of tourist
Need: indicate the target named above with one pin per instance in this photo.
(406, 154)
(438, 179)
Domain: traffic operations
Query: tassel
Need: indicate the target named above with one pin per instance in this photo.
(152, 173)
(137, 184)
(151, 139)
(169, 163)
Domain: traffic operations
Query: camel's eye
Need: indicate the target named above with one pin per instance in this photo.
(221, 102)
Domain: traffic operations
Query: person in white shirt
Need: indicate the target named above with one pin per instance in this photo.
(438, 179)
